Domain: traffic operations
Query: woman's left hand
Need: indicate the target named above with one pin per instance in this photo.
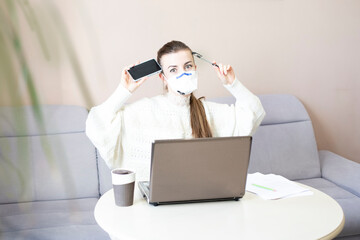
(225, 73)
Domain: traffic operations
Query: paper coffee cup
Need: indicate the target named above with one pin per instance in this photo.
(123, 183)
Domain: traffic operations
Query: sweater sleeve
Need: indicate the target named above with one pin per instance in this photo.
(239, 119)
(104, 125)
(249, 111)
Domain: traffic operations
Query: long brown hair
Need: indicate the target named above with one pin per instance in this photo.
(199, 124)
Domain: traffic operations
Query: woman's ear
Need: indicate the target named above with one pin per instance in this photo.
(162, 77)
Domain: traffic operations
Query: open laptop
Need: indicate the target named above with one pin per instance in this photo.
(197, 170)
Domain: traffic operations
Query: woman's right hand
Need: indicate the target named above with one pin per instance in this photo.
(128, 82)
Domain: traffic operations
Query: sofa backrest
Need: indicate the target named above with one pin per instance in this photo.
(45, 154)
(284, 144)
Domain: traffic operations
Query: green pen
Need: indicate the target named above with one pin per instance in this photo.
(263, 187)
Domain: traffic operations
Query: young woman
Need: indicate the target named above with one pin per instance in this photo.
(123, 133)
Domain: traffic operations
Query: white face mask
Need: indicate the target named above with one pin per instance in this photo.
(184, 83)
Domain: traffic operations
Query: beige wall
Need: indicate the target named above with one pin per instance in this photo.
(309, 48)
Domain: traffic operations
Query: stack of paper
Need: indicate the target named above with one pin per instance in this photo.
(271, 186)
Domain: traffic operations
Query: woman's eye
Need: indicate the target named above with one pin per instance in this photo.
(173, 70)
(188, 66)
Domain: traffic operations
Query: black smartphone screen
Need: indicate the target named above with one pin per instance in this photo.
(144, 69)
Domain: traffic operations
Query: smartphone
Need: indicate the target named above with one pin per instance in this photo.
(144, 69)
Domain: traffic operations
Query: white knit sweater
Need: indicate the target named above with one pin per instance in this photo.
(123, 133)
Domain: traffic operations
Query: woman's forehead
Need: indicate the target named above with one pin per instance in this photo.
(177, 58)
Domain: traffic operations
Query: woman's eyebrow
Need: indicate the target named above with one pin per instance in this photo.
(187, 62)
(172, 66)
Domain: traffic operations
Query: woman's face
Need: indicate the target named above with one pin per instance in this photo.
(176, 63)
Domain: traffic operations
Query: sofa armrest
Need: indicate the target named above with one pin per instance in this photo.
(341, 171)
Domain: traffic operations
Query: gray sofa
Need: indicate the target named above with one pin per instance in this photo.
(51, 176)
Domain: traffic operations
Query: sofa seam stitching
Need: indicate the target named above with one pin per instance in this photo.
(98, 170)
(40, 135)
(298, 121)
(30, 229)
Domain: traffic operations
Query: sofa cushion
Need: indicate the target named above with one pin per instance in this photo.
(283, 108)
(348, 201)
(287, 149)
(279, 108)
(333, 168)
(56, 161)
(47, 167)
(64, 219)
(47, 119)
(81, 232)
(284, 143)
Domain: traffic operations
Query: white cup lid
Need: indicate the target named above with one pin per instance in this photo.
(121, 176)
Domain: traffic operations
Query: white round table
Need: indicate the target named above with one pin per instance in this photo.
(317, 216)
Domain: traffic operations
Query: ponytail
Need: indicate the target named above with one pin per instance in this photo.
(199, 124)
